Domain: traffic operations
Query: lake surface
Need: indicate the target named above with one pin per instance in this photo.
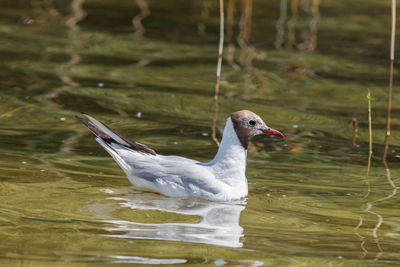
(147, 69)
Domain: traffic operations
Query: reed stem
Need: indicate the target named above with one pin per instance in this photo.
(370, 144)
(389, 105)
(221, 47)
(220, 51)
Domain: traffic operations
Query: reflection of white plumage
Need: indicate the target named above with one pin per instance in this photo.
(222, 179)
(218, 223)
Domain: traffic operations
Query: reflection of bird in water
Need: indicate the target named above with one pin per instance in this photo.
(222, 179)
(218, 224)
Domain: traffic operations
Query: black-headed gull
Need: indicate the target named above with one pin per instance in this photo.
(222, 179)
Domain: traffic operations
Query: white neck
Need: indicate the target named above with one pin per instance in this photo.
(230, 162)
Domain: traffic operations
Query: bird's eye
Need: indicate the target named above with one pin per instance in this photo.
(252, 123)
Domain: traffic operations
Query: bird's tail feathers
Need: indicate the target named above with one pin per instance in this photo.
(109, 135)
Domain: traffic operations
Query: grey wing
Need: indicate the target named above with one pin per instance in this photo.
(175, 172)
(170, 175)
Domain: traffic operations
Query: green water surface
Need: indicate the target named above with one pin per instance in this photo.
(305, 69)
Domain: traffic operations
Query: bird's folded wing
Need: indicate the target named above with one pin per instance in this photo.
(111, 136)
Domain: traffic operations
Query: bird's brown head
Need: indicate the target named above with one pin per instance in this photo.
(248, 124)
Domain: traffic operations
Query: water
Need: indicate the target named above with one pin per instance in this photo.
(63, 199)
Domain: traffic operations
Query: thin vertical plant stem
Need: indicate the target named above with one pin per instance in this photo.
(221, 47)
(388, 121)
(370, 145)
(220, 51)
(389, 105)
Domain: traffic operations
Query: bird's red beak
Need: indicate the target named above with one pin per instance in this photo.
(274, 132)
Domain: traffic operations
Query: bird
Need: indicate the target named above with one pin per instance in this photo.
(222, 179)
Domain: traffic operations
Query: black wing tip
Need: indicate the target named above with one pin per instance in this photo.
(94, 129)
(81, 119)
